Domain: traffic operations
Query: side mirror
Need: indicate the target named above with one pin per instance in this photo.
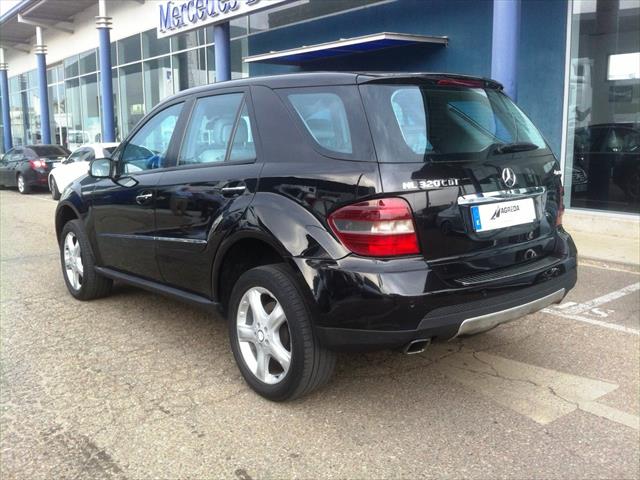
(101, 168)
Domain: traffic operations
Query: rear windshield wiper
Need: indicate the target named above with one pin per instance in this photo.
(514, 147)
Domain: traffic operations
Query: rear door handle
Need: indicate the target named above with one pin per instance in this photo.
(144, 198)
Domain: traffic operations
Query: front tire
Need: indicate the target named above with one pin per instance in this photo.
(53, 186)
(78, 265)
(23, 186)
(272, 338)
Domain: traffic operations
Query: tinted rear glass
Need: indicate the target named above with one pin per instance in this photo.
(49, 151)
(412, 123)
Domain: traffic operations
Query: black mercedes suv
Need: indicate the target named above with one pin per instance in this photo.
(327, 211)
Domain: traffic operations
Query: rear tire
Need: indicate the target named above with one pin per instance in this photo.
(23, 187)
(306, 366)
(78, 264)
(53, 186)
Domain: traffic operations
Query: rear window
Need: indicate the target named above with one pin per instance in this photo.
(49, 151)
(412, 123)
(109, 150)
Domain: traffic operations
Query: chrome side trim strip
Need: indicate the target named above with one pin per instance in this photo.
(486, 322)
(500, 195)
(158, 239)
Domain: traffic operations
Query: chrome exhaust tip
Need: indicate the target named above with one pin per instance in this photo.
(416, 346)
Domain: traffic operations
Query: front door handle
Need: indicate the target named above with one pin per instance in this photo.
(144, 198)
(237, 190)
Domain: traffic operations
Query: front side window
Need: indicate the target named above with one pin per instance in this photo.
(414, 123)
(211, 130)
(148, 148)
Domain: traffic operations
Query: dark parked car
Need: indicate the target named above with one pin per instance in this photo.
(29, 166)
(307, 207)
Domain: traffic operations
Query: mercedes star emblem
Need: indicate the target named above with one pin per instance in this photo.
(508, 177)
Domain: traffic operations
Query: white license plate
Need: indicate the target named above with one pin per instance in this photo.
(492, 216)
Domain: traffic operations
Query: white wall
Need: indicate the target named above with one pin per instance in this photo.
(129, 17)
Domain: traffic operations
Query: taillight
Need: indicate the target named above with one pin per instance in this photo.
(37, 164)
(376, 228)
(560, 207)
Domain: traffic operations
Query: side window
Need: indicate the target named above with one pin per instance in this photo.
(90, 156)
(409, 110)
(243, 147)
(16, 155)
(76, 156)
(325, 118)
(210, 130)
(148, 147)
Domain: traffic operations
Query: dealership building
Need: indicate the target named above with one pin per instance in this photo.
(572, 65)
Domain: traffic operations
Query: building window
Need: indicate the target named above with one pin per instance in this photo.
(129, 49)
(90, 107)
(131, 96)
(87, 62)
(158, 81)
(152, 46)
(189, 69)
(602, 164)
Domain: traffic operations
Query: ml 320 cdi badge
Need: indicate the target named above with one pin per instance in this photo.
(327, 211)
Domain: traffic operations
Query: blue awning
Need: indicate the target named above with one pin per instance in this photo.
(345, 46)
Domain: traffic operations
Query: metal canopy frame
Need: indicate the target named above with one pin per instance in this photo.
(346, 46)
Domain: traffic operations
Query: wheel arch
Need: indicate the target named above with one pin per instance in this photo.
(274, 229)
(240, 252)
(65, 213)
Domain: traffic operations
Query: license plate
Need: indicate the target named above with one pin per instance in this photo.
(492, 216)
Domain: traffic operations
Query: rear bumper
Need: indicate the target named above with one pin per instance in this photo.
(385, 307)
(36, 177)
(458, 319)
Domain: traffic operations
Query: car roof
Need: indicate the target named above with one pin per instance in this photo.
(312, 79)
(98, 145)
(39, 145)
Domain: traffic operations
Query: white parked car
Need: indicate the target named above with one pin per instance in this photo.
(76, 165)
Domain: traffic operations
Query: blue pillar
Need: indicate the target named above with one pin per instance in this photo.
(222, 39)
(6, 113)
(41, 61)
(103, 24)
(504, 48)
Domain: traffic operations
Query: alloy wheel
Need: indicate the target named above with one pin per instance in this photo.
(263, 335)
(74, 269)
(20, 183)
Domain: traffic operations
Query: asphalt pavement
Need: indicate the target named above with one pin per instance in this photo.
(139, 386)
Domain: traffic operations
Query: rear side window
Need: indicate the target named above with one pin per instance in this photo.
(325, 118)
(50, 151)
(332, 118)
(216, 123)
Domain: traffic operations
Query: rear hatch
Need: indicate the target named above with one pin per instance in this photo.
(52, 155)
(482, 183)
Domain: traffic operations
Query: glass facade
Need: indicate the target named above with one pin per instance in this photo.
(145, 71)
(602, 163)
